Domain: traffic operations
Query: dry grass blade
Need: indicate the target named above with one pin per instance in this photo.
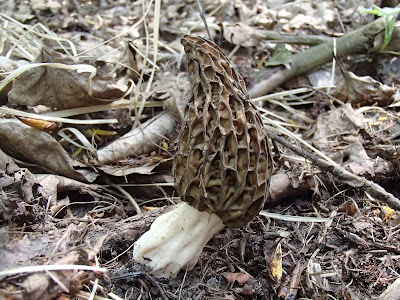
(28, 39)
(293, 218)
(16, 112)
(122, 33)
(43, 268)
(157, 7)
(85, 143)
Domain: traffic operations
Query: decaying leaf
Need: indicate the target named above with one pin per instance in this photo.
(363, 89)
(308, 14)
(50, 185)
(59, 88)
(11, 174)
(30, 144)
(336, 125)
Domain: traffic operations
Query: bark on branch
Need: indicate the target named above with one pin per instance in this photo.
(360, 40)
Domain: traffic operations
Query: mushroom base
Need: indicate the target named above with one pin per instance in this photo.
(176, 239)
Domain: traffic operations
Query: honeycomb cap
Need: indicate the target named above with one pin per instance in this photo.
(223, 163)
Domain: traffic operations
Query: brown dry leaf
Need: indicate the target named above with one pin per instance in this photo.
(50, 185)
(341, 123)
(59, 88)
(30, 144)
(242, 35)
(241, 278)
(293, 285)
(363, 89)
(349, 209)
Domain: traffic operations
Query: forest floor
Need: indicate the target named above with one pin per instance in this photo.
(74, 192)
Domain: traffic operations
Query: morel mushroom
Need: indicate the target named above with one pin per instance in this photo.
(222, 165)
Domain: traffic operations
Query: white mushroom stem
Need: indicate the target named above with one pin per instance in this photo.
(176, 239)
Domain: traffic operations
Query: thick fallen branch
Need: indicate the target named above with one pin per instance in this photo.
(291, 38)
(140, 140)
(342, 174)
(358, 41)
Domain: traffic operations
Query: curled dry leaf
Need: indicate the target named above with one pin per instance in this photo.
(247, 290)
(363, 89)
(30, 144)
(59, 88)
(50, 185)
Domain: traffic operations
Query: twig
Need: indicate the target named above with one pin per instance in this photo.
(289, 38)
(203, 17)
(342, 174)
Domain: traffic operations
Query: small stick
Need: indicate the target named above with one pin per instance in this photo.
(341, 173)
(203, 17)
